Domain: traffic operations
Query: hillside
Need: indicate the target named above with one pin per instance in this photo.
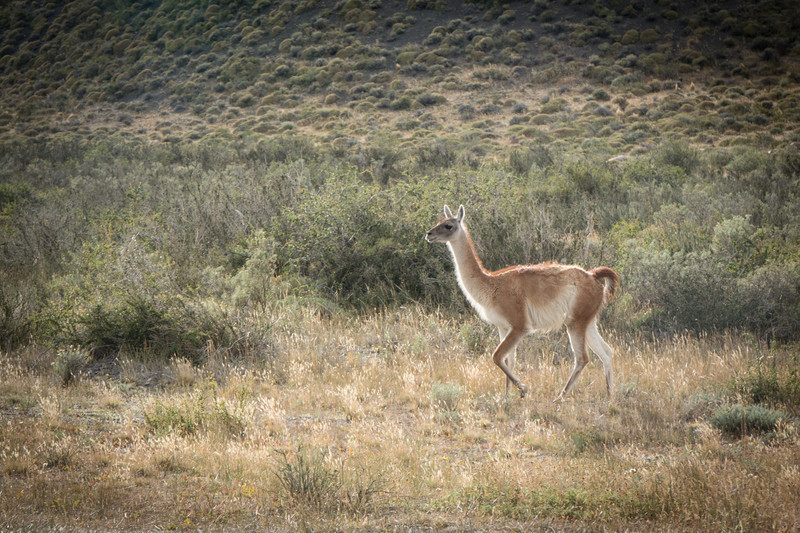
(477, 76)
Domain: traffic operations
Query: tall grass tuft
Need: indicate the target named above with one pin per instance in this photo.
(306, 479)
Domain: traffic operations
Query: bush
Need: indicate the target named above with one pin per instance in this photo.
(435, 155)
(446, 396)
(739, 420)
(601, 95)
(359, 244)
(204, 411)
(131, 297)
(680, 291)
(70, 363)
(649, 36)
(769, 301)
(172, 326)
(119, 246)
(18, 307)
(630, 37)
(522, 160)
(429, 99)
(677, 154)
(282, 149)
(768, 385)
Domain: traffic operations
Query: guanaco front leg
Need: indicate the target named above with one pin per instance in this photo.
(511, 358)
(508, 347)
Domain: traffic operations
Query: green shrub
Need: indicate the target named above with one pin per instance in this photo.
(681, 291)
(359, 244)
(435, 155)
(630, 37)
(382, 160)
(116, 245)
(169, 326)
(763, 384)
(204, 411)
(677, 154)
(281, 148)
(446, 396)
(19, 303)
(523, 159)
(739, 420)
(769, 300)
(649, 36)
(601, 95)
(555, 105)
(430, 99)
(69, 364)
(12, 195)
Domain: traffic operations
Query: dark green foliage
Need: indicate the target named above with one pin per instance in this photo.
(677, 154)
(359, 244)
(435, 155)
(281, 149)
(767, 385)
(170, 327)
(18, 304)
(695, 262)
(523, 160)
(11, 195)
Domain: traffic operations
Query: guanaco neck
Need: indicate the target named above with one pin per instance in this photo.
(469, 270)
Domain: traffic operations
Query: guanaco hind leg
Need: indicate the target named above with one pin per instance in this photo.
(579, 340)
(603, 352)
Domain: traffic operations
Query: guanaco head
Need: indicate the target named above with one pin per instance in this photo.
(446, 228)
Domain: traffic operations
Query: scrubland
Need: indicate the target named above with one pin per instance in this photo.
(195, 342)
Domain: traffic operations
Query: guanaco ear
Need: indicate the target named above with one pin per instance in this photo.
(460, 215)
(447, 212)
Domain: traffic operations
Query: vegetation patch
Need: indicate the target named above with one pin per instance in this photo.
(739, 420)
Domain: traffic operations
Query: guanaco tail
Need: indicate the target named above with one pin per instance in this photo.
(522, 299)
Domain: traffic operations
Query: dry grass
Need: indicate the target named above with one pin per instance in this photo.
(396, 419)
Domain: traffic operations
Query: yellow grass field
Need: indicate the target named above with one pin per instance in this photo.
(396, 421)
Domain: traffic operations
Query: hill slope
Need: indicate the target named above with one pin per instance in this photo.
(474, 75)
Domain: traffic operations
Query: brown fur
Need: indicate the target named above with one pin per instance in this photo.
(521, 299)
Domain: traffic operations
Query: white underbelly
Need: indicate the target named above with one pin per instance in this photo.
(553, 314)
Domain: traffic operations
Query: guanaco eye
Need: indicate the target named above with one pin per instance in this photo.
(448, 227)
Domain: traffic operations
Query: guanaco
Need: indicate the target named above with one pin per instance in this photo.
(523, 299)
